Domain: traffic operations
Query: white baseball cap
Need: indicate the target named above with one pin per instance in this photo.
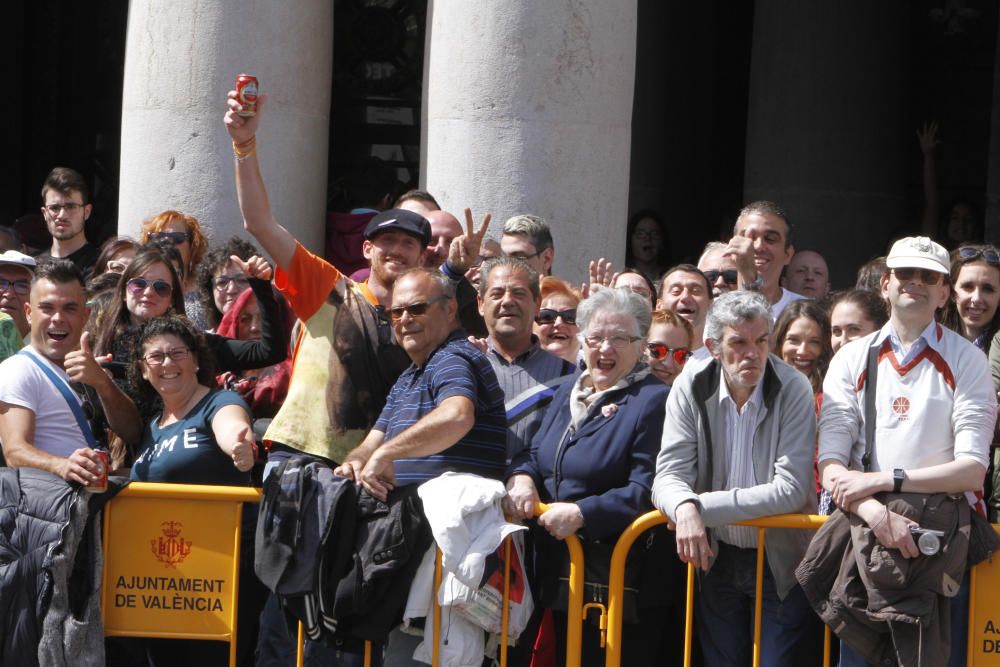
(15, 258)
(917, 252)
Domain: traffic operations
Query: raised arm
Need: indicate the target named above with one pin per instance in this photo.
(258, 218)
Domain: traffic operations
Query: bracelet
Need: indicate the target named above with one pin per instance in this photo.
(245, 150)
(885, 517)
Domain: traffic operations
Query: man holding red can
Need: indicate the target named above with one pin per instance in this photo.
(56, 402)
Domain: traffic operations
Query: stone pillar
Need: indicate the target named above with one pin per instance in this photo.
(529, 109)
(826, 134)
(181, 57)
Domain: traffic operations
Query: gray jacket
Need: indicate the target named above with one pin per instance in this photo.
(692, 460)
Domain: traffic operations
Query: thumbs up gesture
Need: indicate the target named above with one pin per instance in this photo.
(244, 450)
(82, 366)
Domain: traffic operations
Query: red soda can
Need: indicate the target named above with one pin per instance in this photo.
(246, 94)
(101, 485)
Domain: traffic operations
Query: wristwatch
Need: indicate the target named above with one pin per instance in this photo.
(898, 475)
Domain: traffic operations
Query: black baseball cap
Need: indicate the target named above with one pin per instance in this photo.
(401, 219)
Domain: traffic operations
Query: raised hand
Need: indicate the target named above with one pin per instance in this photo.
(243, 451)
(82, 366)
(255, 267)
(927, 136)
(601, 275)
(464, 249)
(242, 129)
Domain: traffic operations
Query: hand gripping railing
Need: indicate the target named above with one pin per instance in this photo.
(616, 585)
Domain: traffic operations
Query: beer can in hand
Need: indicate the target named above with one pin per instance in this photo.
(101, 485)
(246, 94)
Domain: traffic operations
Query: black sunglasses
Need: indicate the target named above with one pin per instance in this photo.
(414, 309)
(728, 276)
(660, 351)
(138, 285)
(926, 276)
(177, 237)
(549, 315)
(989, 254)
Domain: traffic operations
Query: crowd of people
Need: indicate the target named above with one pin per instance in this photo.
(736, 388)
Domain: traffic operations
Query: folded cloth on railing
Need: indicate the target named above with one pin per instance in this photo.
(886, 607)
(468, 525)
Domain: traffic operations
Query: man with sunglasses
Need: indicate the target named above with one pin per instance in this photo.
(509, 300)
(719, 267)
(16, 273)
(935, 405)
(66, 207)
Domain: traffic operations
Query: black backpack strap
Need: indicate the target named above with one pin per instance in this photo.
(871, 375)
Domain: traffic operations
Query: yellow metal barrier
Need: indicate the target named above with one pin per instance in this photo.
(574, 606)
(984, 617)
(172, 561)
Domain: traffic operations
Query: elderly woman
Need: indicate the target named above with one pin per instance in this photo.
(593, 459)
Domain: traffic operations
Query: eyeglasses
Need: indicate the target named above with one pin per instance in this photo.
(617, 342)
(414, 309)
(728, 276)
(21, 287)
(522, 255)
(56, 209)
(157, 358)
(926, 276)
(221, 283)
(660, 351)
(137, 286)
(989, 254)
(177, 237)
(549, 315)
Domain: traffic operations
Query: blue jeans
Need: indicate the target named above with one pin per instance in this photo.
(959, 633)
(725, 613)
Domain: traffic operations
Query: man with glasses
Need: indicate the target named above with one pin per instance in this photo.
(444, 414)
(509, 300)
(66, 207)
(935, 405)
(528, 238)
(738, 442)
(39, 426)
(16, 272)
(720, 268)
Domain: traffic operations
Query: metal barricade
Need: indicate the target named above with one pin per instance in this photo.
(172, 561)
(984, 617)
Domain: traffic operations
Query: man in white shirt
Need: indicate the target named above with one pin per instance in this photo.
(935, 407)
(38, 428)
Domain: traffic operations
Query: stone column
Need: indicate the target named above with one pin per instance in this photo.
(181, 57)
(825, 124)
(529, 109)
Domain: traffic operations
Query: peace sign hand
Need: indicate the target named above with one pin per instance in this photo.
(465, 249)
(255, 267)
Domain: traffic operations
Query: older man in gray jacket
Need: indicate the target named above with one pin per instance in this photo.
(738, 443)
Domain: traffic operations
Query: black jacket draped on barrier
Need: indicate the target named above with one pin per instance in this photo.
(340, 560)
